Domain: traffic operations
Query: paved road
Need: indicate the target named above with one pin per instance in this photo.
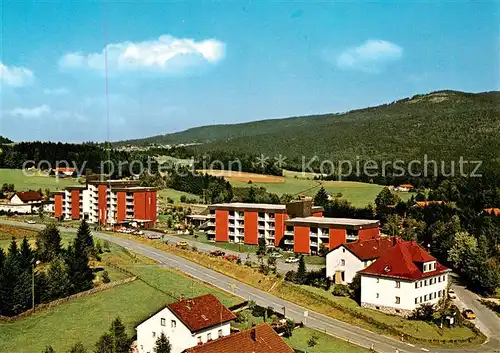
(314, 320)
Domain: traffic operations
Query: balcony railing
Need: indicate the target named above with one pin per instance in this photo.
(289, 242)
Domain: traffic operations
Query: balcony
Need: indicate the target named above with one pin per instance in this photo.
(289, 232)
(261, 219)
(289, 242)
(210, 231)
(351, 237)
(313, 243)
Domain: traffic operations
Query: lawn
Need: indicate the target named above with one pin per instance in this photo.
(26, 182)
(87, 318)
(174, 195)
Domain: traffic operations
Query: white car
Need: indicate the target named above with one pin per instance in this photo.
(31, 222)
(451, 294)
(292, 260)
(276, 255)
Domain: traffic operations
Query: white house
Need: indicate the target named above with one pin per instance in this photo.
(186, 323)
(343, 262)
(23, 202)
(402, 278)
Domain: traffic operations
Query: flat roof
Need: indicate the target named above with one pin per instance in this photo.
(133, 188)
(335, 222)
(254, 206)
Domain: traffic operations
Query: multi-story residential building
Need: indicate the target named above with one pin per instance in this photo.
(305, 235)
(247, 222)
(344, 261)
(259, 339)
(111, 202)
(298, 226)
(402, 278)
(186, 323)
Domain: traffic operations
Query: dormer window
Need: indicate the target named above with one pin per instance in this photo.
(429, 266)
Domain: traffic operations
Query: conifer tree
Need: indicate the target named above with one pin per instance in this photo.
(162, 344)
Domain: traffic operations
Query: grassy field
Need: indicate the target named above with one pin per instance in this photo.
(35, 182)
(174, 195)
(87, 318)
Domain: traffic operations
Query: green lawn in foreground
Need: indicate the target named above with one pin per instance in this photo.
(23, 182)
(87, 318)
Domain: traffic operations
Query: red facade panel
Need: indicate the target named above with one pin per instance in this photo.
(101, 202)
(251, 228)
(58, 209)
(337, 237)
(318, 214)
(221, 225)
(301, 240)
(153, 206)
(121, 206)
(279, 228)
(75, 204)
(140, 205)
(370, 233)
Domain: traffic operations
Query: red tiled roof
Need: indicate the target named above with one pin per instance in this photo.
(402, 261)
(65, 170)
(27, 196)
(370, 249)
(427, 203)
(258, 339)
(406, 186)
(201, 312)
(493, 211)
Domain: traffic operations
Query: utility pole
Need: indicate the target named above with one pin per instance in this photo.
(33, 265)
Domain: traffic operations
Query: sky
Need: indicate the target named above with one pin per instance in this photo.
(101, 70)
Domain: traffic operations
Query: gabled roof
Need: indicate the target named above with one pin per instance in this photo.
(369, 249)
(428, 203)
(27, 196)
(201, 312)
(493, 211)
(406, 186)
(403, 260)
(258, 339)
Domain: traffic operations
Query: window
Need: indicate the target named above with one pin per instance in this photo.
(209, 336)
(425, 267)
(416, 284)
(343, 249)
(398, 284)
(162, 321)
(220, 333)
(342, 262)
(154, 334)
(439, 279)
(173, 324)
(425, 283)
(416, 300)
(199, 339)
(378, 280)
(425, 298)
(398, 300)
(377, 295)
(420, 299)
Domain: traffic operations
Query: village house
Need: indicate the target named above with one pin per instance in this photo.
(343, 262)
(259, 339)
(186, 323)
(404, 277)
(23, 202)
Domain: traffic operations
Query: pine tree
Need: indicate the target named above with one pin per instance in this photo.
(84, 240)
(49, 349)
(114, 341)
(78, 348)
(58, 283)
(301, 271)
(48, 243)
(163, 344)
(80, 274)
(104, 344)
(321, 198)
(2, 281)
(261, 250)
(26, 253)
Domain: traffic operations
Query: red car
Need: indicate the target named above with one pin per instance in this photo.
(231, 257)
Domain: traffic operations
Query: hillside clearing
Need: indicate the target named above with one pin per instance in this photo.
(26, 182)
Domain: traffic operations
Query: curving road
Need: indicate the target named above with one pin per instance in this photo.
(314, 320)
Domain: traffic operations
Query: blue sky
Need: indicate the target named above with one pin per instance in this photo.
(174, 65)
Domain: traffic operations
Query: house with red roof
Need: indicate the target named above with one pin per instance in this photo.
(259, 339)
(404, 277)
(186, 323)
(495, 211)
(345, 260)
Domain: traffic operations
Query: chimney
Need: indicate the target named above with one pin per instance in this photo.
(253, 335)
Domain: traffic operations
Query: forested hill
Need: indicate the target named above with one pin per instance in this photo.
(444, 125)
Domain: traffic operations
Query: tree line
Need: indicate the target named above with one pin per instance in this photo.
(49, 271)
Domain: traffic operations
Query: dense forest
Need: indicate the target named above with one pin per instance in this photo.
(443, 125)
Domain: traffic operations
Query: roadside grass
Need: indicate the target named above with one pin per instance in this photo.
(324, 344)
(25, 182)
(339, 308)
(87, 318)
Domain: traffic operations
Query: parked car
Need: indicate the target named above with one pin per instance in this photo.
(276, 255)
(292, 260)
(451, 294)
(154, 236)
(31, 222)
(217, 253)
(469, 314)
(231, 257)
(138, 232)
(182, 244)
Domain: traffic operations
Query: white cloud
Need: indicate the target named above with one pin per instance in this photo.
(370, 56)
(56, 91)
(35, 112)
(166, 54)
(15, 76)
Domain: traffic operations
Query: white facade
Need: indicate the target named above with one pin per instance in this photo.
(178, 334)
(400, 295)
(266, 227)
(19, 208)
(345, 263)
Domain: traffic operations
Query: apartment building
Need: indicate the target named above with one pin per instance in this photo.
(402, 278)
(111, 202)
(298, 226)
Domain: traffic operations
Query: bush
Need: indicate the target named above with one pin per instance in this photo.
(341, 290)
(291, 276)
(170, 200)
(105, 277)
(424, 312)
(238, 261)
(183, 198)
(248, 263)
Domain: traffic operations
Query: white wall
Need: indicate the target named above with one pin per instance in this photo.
(17, 208)
(387, 291)
(334, 263)
(180, 336)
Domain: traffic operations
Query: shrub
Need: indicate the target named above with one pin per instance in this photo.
(170, 200)
(183, 198)
(105, 277)
(248, 263)
(424, 312)
(291, 276)
(341, 290)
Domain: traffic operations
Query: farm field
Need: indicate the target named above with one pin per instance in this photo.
(234, 176)
(174, 195)
(89, 317)
(24, 182)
